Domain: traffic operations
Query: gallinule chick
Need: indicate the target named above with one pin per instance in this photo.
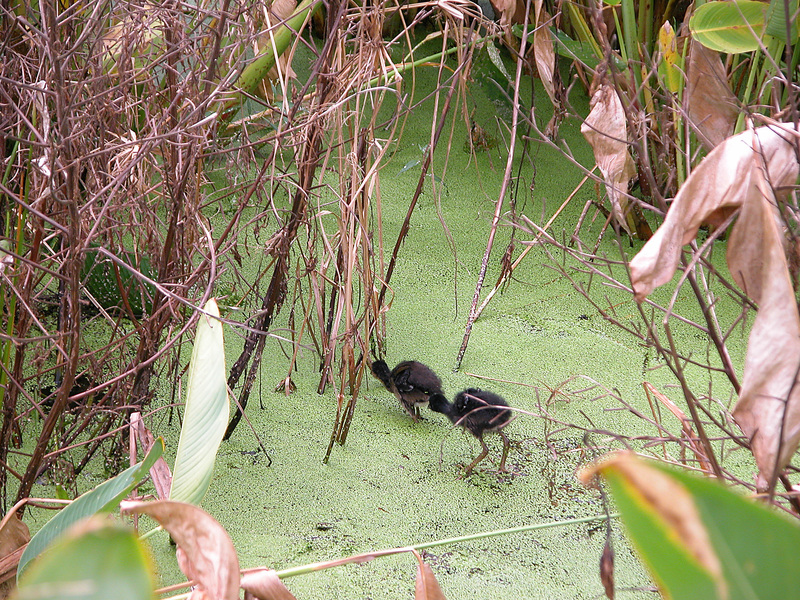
(477, 411)
(410, 381)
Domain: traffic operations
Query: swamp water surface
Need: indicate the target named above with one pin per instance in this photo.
(395, 482)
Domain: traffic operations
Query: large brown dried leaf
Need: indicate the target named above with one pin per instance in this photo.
(543, 50)
(264, 584)
(607, 133)
(511, 12)
(205, 551)
(743, 172)
(13, 536)
(426, 588)
(710, 103)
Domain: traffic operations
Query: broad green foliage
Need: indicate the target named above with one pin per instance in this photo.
(102, 499)
(731, 27)
(702, 540)
(207, 411)
(94, 561)
(741, 26)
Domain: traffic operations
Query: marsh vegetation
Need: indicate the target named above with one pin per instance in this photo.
(472, 185)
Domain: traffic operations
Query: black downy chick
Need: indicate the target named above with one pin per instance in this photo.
(477, 411)
(410, 381)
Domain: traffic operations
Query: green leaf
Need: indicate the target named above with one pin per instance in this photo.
(730, 27)
(776, 20)
(93, 561)
(573, 49)
(207, 411)
(102, 499)
(699, 538)
(674, 569)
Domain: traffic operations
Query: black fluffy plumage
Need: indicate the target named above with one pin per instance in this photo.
(410, 381)
(477, 411)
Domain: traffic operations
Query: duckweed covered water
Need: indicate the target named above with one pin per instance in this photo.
(396, 483)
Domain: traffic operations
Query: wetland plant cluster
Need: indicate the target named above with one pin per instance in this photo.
(118, 118)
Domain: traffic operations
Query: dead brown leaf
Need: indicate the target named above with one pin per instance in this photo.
(14, 535)
(607, 133)
(750, 171)
(427, 588)
(279, 11)
(205, 551)
(711, 105)
(264, 584)
(510, 12)
(686, 426)
(607, 570)
(543, 50)
(159, 472)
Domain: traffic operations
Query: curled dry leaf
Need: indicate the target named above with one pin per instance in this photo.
(750, 171)
(264, 584)
(543, 50)
(159, 472)
(426, 588)
(14, 535)
(205, 551)
(664, 496)
(607, 570)
(711, 105)
(686, 426)
(606, 131)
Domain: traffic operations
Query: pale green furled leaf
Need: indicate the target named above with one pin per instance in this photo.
(206, 414)
(730, 27)
(95, 560)
(102, 499)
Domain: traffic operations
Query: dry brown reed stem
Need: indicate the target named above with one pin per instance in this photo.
(576, 263)
(89, 122)
(423, 174)
(473, 311)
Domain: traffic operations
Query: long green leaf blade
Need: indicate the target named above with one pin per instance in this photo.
(102, 499)
(206, 414)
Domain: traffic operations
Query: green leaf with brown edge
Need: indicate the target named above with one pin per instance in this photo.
(699, 538)
(102, 499)
(731, 27)
(94, 560)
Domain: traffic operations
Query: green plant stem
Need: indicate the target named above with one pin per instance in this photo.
(362, 558)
